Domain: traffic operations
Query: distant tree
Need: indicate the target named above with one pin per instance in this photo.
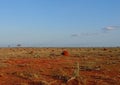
(8, 46)
(18, 45)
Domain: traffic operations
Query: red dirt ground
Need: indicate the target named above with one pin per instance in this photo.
(43, 66)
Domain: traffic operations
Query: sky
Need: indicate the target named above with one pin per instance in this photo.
(60, 23)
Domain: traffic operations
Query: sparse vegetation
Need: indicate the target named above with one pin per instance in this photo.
(46, 66)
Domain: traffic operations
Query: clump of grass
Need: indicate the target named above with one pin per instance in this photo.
(77, 79)
(90, 66)
(76, 71)
(60, 75)
(37, 55)
(26, 75)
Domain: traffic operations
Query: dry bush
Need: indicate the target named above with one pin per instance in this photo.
(59, 74)
(75, 81)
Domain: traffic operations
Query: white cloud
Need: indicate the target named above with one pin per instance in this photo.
(105, 29)
(110, 28)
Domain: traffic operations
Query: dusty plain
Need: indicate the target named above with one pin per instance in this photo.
(48, 66)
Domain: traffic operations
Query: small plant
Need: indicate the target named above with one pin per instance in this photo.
(60, 75)
(76, 71)
(76, 79)
(36, 55)
(25, 75)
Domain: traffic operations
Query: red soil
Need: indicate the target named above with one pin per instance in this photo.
(57, 70)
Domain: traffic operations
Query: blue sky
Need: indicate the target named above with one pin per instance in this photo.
(57, 23)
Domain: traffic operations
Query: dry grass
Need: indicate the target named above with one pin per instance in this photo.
(46, 66)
